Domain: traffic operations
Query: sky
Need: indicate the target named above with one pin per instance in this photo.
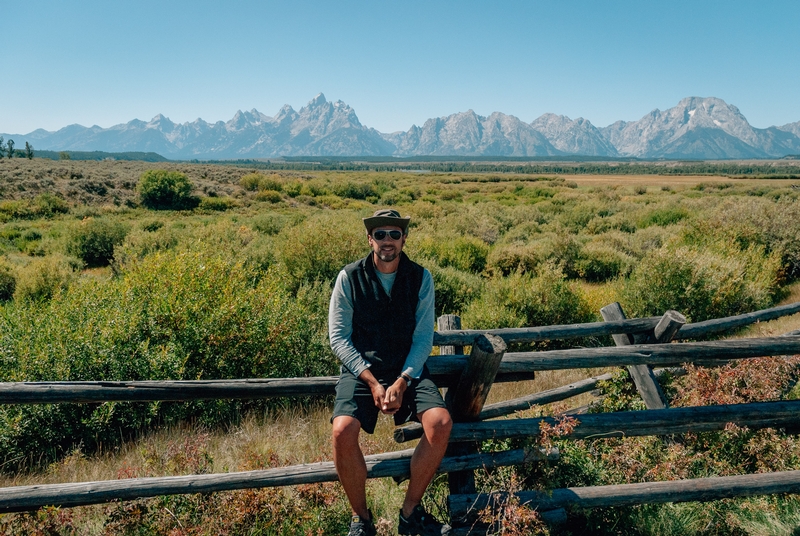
(396, 63)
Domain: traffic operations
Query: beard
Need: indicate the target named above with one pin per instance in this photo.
(386, 256)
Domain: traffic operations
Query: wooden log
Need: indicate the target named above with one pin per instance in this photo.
(513, 367)
(449, 323)
(641, 423)
(147, 391)
(631, 325)
(500, 409)
(467, 399)
(669, 326)
(26, 498)
(642, 375)
(548, 333)
(699, 489)
(719, 325)
(705, 353)
(477, 378)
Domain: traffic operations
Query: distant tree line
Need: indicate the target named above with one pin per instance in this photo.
(101, 155)
(770, 169)
(9, 151)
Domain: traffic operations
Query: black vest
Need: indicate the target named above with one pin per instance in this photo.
(383, 326)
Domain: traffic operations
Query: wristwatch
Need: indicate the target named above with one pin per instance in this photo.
(405, 377)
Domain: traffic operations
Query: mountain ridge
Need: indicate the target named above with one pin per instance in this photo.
(696, 128)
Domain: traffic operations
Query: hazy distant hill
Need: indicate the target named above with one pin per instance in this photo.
(697, 128)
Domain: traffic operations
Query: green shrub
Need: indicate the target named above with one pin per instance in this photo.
(45, 205)
(354, 190)
(270, 223)
(270, 196)
(93, 240)
(217, 203)
(319, 247)
(465, 253)
(251, 181)
(8, 282)
(601, 262)
(166, 190)
(454, 288)
(755, 221)
(702, 283)
(513, 258)
(138, 244)
(44, 278)
(663, 217)
(524, 300)
(171, 315)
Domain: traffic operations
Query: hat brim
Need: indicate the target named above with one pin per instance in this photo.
(386, 221)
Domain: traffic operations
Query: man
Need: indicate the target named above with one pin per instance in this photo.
(381, 328)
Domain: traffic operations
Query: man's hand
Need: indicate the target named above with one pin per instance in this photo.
(378, 392)
(394, 397)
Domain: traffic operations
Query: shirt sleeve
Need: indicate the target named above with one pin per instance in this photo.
(422, 340)
(340, 327)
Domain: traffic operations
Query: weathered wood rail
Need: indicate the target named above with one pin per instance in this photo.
(470, 378)
(444, 368)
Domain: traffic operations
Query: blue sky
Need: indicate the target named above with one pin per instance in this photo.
(396, 63)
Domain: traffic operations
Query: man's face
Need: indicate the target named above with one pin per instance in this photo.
(387, 249)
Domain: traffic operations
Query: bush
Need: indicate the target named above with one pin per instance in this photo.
(172, 315)
(715, 281)
(251, 181)
(140, 243)
(454, 288)
(258, 181)
(270, 196)
(523, 300)
(755, 221)
(319, 247)
(45, 205)
(8, 282)
(44, 278)
(270, 223)
(512, 258)
(166, 190)
(601, 262)
(93, 240)
(217, 203)
(354, 190)
(465, 253)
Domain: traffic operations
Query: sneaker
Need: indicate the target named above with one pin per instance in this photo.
(421, 523)
(361, 527)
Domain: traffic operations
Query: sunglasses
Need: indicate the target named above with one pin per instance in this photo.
(381, 235)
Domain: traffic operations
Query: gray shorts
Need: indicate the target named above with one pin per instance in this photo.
(354, 399)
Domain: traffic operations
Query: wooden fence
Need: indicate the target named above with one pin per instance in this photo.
(641, 344)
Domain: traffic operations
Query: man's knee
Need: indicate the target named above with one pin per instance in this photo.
(436, 423)
(345, 431)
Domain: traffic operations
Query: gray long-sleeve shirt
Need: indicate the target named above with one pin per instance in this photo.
(340, 325)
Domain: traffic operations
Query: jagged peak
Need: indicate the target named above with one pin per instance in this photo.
(318, 100)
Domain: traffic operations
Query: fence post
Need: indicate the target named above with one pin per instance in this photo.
(445, 323)
(642, 375)
(467, 398)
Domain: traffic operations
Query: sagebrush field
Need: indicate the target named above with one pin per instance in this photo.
(235, 281)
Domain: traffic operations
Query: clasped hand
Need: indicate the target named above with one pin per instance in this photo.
(388, 400)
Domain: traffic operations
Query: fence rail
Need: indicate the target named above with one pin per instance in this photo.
(514, 366)
(698, 489)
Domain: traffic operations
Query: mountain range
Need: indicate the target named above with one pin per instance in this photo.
(696, 128)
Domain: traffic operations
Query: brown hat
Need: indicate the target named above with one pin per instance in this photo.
(386, 217)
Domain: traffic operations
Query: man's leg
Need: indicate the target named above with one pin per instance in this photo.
(436, 425)
(350, 464)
